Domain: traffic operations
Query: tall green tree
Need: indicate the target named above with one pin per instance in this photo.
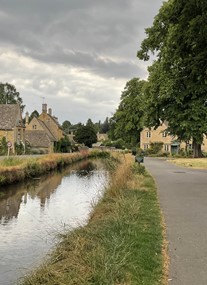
(9, 95)
(90, 123)
(177, 85)
(129, 115)
(66, 125)
(86, 135)
(105, 126)
(35, 114)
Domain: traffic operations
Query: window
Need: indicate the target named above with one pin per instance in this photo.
(148, 134)
(166, 147)
(146, 146)
(34, 127)
(164, 134)
(18, 135)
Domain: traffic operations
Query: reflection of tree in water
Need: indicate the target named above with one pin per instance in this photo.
(41, 188)
(45, 188)
(86, 168)
(10, 204)
(16, 194)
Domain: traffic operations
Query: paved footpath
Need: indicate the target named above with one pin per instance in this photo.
(182, 194)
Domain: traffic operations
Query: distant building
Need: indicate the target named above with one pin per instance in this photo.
(42, 132)
(102, 137)
(170, 143)
(11, 124)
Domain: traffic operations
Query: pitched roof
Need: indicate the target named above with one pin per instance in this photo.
(10, 116)
(47, 130)
(37, 138)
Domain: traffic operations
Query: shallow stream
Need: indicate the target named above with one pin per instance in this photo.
(33, 213)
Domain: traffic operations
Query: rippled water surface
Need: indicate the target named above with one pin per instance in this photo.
(31, 214)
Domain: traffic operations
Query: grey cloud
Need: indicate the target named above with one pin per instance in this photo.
(90, 63)
(94, 37)
(95, 26)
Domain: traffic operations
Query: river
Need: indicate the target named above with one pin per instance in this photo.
(34, 212)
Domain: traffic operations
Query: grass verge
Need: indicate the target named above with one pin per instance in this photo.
(191, 162)
(122, 244)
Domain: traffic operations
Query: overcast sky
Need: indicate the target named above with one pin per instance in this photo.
(76, 54)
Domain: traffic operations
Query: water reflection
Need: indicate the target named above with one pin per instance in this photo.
(16, 194)
(31, 214)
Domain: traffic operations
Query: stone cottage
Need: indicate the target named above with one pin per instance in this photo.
(170, 143)
(11, 124)
(42, 132)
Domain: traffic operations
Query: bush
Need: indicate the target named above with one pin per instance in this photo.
(138, 169)
(19, 148)
(63, 145)
(3, 146)
(155, 148)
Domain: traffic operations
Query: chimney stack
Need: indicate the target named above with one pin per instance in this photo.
(44, 108)
(27, 118)
(50, 111)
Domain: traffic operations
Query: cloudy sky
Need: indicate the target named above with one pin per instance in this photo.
(75, 55)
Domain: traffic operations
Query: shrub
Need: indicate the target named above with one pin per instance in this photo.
(19, 148)
(3, 146)
(155, 147)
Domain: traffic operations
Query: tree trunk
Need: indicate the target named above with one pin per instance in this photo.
(197, 149)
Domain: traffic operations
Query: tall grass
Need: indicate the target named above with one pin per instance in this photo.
(16, 169)
(122, 243)
(11, 161)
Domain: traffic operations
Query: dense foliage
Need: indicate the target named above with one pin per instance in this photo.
(129, 115)
(177, 86)
(63, 145)
(3, 146)
(66, 125)
(86, 135)
(34, 114)
(9, 95)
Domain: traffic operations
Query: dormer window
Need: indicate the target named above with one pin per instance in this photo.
(34, 127)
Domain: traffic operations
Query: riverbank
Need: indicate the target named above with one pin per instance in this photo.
(15, 169)
(123, 242)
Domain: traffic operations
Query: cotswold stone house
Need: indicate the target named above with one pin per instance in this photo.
(11, 124)
(170, 143)
(42, 132)
(51, 122)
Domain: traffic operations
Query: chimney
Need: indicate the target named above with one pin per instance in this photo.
(27, 118)
(50, 111)
(44, 108)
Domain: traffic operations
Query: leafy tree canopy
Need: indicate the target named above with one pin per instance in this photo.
(33, 114)
(9, 95)
(177, 85)
(86, 135)
(66, 125)
(129, 115)
(105, 126)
